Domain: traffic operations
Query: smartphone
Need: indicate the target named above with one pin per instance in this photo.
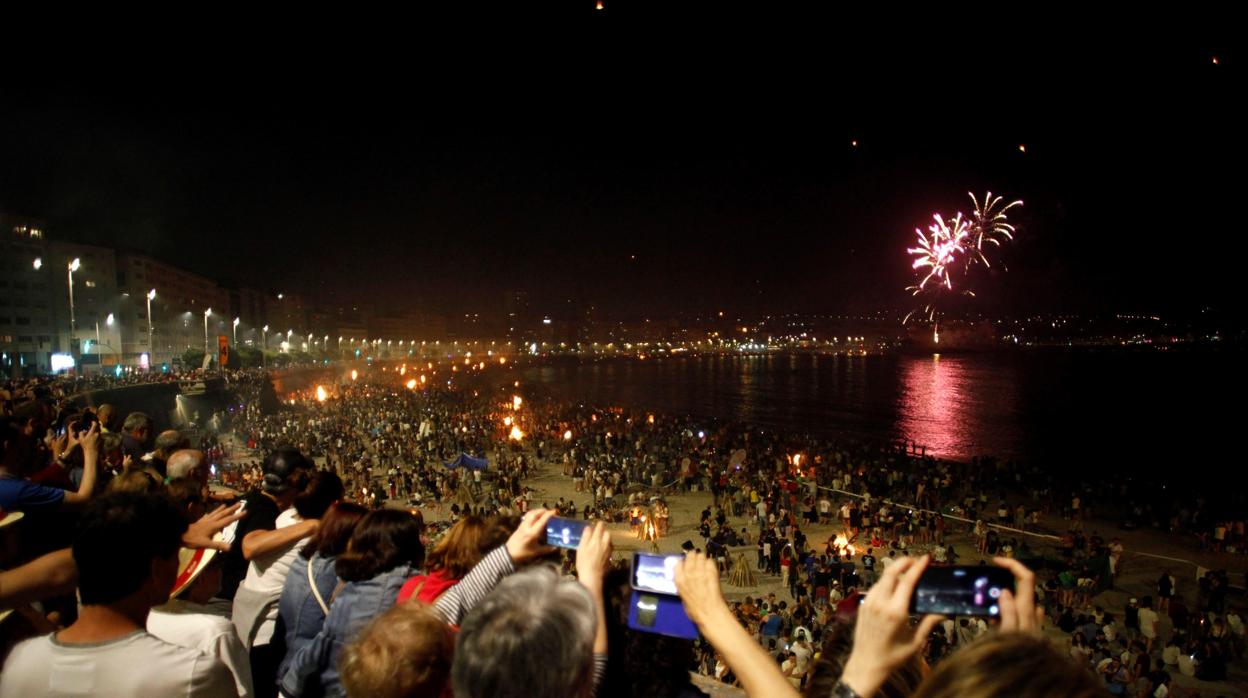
(961, 590)
(229, 533)
(656, 573)
(564, 533)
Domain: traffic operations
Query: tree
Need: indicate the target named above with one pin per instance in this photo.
(245, 357)
(192, 358)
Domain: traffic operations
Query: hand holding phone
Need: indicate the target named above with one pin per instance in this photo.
(1019, 612)
(564, 533)
(697, 579)
(526, 542)
(883, 636)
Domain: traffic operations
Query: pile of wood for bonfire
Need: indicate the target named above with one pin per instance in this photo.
(741, 575)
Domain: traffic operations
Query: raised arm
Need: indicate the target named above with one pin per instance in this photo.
(697, 580)
(524, 544)
(89, 441)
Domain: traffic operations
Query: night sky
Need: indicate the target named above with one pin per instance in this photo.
(648, 162)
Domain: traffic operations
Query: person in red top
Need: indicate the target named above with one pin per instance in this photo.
(460, 549)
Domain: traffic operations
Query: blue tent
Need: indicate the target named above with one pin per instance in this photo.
(466, 461)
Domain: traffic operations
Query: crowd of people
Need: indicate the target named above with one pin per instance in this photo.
(126, 573)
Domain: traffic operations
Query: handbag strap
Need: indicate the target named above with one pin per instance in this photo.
(316, 592)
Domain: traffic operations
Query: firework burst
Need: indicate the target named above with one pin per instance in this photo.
(961, 238)
(938, 249)
(989, 224)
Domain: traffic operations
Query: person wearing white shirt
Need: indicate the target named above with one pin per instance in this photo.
(187, 620)
(126, 551)
(1149, 622)
(273, 554)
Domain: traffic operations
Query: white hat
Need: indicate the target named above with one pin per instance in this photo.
(191, 562)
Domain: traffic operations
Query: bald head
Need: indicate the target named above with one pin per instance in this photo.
(108, 416)
(171, 440)
(188, 463)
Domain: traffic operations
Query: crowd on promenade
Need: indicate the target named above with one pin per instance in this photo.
(125, 573)
(19, 396)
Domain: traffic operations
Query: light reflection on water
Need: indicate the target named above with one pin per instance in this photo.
(1070, 410)
(955, 410)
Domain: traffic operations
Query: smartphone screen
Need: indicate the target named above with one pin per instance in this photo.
(655, 573)
(564, 533)
(961, 590)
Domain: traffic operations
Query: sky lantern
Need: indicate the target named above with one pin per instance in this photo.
(506, 421)
(354, 374)
(411, 384)
(567, 435)
(321, 395)
(516, 434)
(516, 402)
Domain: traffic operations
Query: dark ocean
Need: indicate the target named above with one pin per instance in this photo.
(1164, 415)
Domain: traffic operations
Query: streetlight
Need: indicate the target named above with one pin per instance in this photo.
(38, 264)
(108, 321)
(264, 346)
(151, 296)
(236, 331)
(73, 267)
(207, 314)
